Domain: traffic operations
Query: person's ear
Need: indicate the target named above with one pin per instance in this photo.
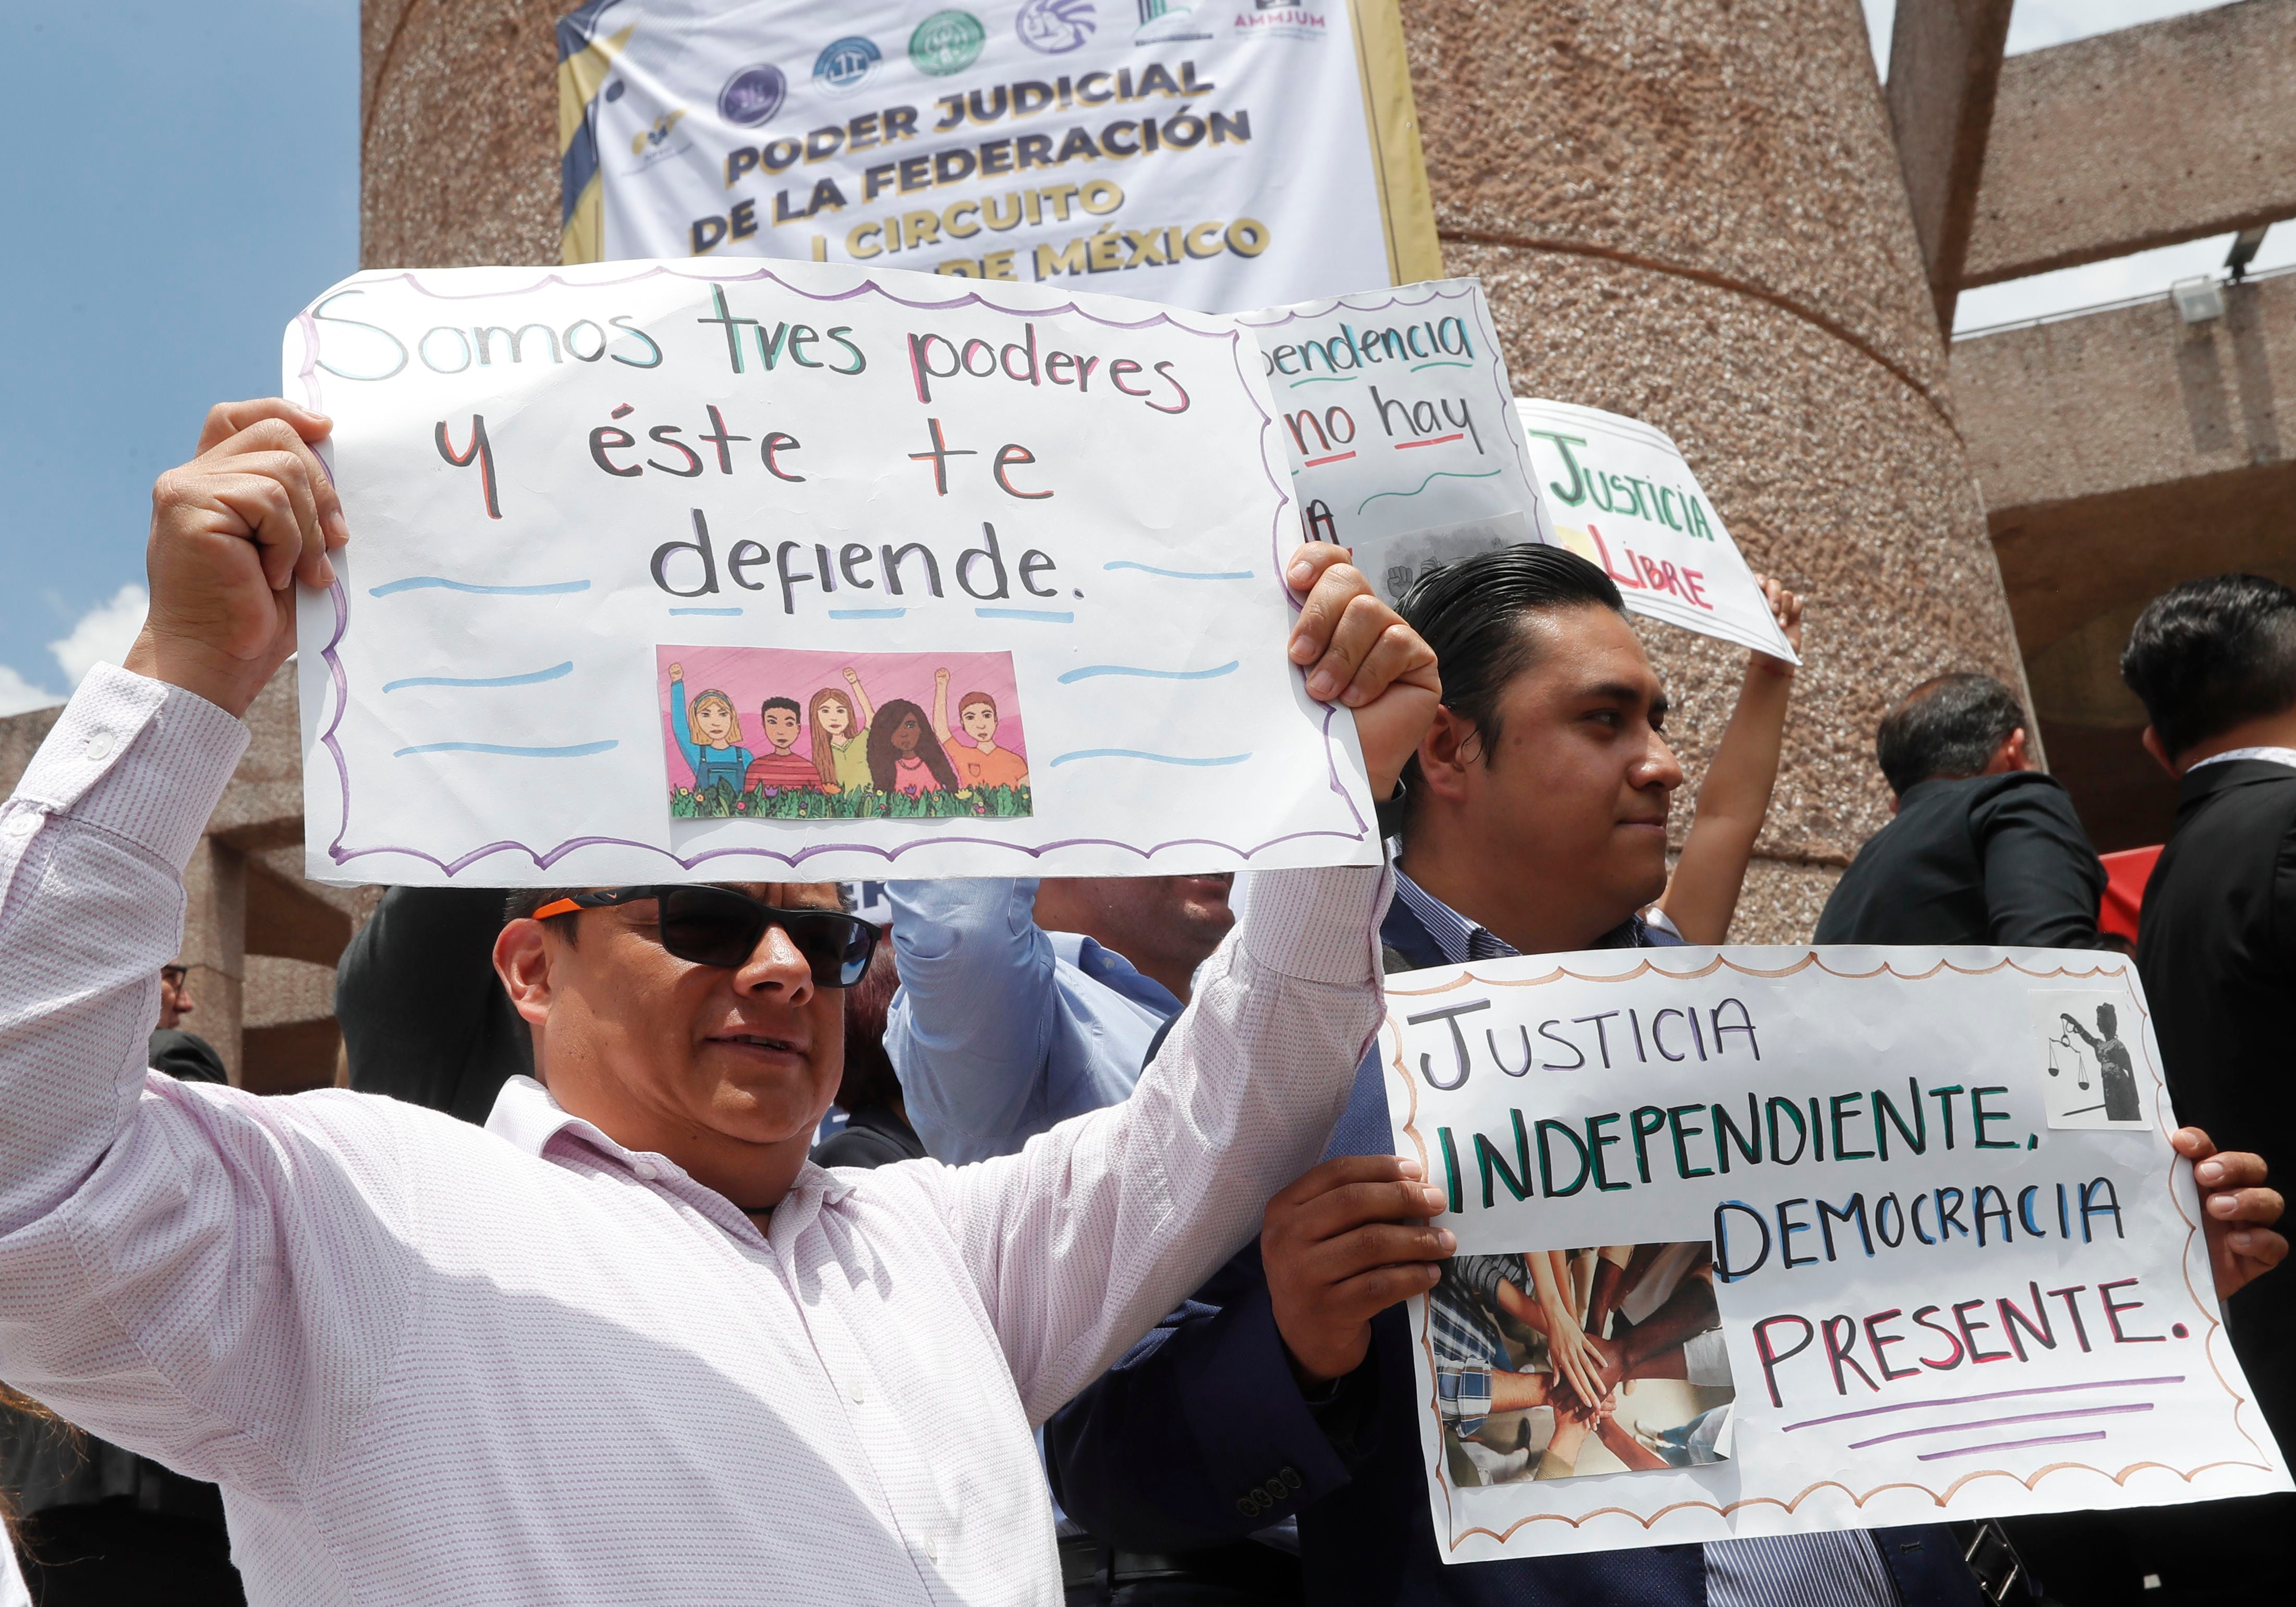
(522, 961)
(2159, 749)
(1450, 746)
(2016, 752)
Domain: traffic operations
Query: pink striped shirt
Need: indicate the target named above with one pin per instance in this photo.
(429, 1363)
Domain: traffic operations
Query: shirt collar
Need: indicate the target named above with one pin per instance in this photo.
(2277, 756)
(1462, 940)
(527, 1115)
(1459, 938)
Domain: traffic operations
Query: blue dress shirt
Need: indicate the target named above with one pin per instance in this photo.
(1200, 1434)
(1000, 1028)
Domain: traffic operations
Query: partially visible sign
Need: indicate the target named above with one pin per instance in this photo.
(1178, 151)
(672, 571)
(1619, 493)
(1762, 1241)
(1401, 427)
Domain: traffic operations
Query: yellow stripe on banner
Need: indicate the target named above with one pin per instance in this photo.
(584, 238)
(1407, 204)
(580, 77)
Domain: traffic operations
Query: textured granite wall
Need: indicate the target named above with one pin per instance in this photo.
(1691, 212)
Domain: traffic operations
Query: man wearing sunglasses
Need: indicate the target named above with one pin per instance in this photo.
(626, 1345)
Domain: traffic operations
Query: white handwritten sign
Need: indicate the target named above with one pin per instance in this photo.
(660, 573)
(1620, 495)
(1401, 427)
(1768, 1240)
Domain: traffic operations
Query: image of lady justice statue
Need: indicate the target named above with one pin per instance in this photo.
(2115, 1070)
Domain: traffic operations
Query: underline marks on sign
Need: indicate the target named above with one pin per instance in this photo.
(577, 750)
(1422, 484)
(1432, 441)
(1336, 458)
(420, 582)
(1160, 758)
(1150, 568)
(861, 613)
(1997, 1422)
(528, 679)
(721, 611)
(1090, 670)
(1049, 616)
(2011, 1445)
(1439, 362)
(1970, 1400)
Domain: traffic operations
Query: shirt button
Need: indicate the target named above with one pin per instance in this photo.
(100, 746)
(646, 1170)
(23, 822)
(932, 1548)
(855, 1393)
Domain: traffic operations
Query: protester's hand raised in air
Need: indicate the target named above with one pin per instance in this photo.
(232, 531)
(2238, 1209)
(1786, 608)
(1358, 651)
(1341, 1245)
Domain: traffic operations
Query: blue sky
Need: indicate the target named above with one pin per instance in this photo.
(185, 176)
(182, 177)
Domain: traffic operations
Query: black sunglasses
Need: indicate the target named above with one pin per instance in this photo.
(717, 926)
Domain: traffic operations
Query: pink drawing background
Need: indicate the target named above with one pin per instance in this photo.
(752, 675)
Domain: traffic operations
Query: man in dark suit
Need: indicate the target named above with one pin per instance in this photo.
(2214, 662)
(1985, 848)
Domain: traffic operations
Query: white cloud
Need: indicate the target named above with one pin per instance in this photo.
(103, 635)
(17, 694)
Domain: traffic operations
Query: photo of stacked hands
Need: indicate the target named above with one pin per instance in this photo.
(1551, 1364)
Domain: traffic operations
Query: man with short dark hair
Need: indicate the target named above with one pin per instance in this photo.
(2214, 662)
(1535, 822)
(1985, 848)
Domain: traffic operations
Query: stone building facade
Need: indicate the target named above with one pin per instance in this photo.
(1711, 215)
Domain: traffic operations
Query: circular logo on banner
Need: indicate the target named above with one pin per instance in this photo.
(1055, 27)
(846, 64)
(947, 42)
(752, 94)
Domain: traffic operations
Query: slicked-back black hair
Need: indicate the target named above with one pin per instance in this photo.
(2210, 655)
(1947, 727)
(1471, 611)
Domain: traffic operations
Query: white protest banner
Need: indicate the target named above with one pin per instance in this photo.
(663, 572)
(1401, 426)
(1180, 150)
(1620, 495)
(1764, 1241)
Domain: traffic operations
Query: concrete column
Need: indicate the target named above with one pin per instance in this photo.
(215, 948)
(1692, 213)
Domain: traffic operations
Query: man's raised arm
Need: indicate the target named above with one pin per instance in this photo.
(970, 1032)
(1094, 1231)
(191, 1272)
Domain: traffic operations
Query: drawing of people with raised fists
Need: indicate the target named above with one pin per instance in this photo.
(980, 762)
(840, 724)
(709, 733)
